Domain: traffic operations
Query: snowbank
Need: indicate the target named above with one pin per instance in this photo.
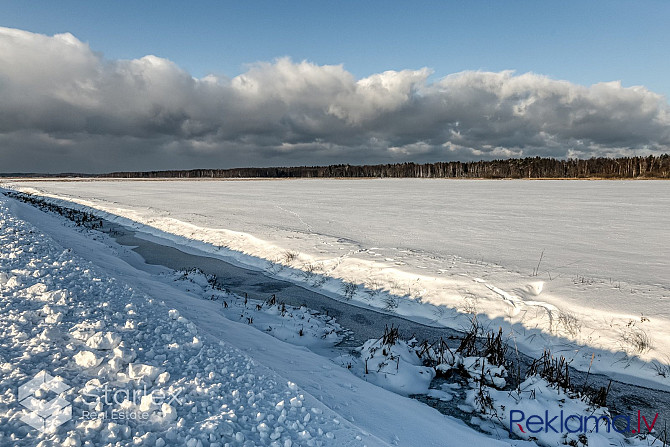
(135, 371)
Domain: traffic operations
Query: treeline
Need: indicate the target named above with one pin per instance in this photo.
(515, 168)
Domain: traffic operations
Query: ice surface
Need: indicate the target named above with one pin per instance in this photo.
(579, 266)
(232, 384)
(604, 229)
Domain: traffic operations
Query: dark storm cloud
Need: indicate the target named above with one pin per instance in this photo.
(63, 107)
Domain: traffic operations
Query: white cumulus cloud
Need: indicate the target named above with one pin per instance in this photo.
(64, 107)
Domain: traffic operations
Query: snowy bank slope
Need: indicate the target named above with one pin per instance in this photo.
(578, 267)
(69, 318)
(115, 336)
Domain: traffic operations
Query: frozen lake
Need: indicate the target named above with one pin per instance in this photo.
(604, 229)
(447, 248)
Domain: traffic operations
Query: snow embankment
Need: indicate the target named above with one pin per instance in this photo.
(135, 371)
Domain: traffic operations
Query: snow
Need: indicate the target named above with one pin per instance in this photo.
(180, 372)
(296, 325)
(534, 397)
(103, 341)
(575, 266)
(87, 359)
(393, 365)
(442, 395)
(223, 395)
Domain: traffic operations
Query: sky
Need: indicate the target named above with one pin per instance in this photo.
(127, 85)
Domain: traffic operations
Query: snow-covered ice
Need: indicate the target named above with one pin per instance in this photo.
(576, 266)
(141, 361)
(296, 325)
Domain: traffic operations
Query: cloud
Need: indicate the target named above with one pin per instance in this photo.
(64, 107)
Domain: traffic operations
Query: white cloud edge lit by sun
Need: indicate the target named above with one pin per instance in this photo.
(58, 87)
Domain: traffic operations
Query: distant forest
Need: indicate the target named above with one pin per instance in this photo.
(515, 168)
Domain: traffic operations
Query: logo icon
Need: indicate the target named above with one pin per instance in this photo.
(45, 415)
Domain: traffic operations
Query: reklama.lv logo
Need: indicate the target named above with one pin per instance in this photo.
(579, 423)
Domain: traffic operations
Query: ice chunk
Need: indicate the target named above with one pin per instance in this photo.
(87, 359)
(104, 340)
(142, 371)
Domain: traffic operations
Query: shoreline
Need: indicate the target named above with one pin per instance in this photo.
(248, 179)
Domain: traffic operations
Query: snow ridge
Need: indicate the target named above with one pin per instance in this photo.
(125, 353)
